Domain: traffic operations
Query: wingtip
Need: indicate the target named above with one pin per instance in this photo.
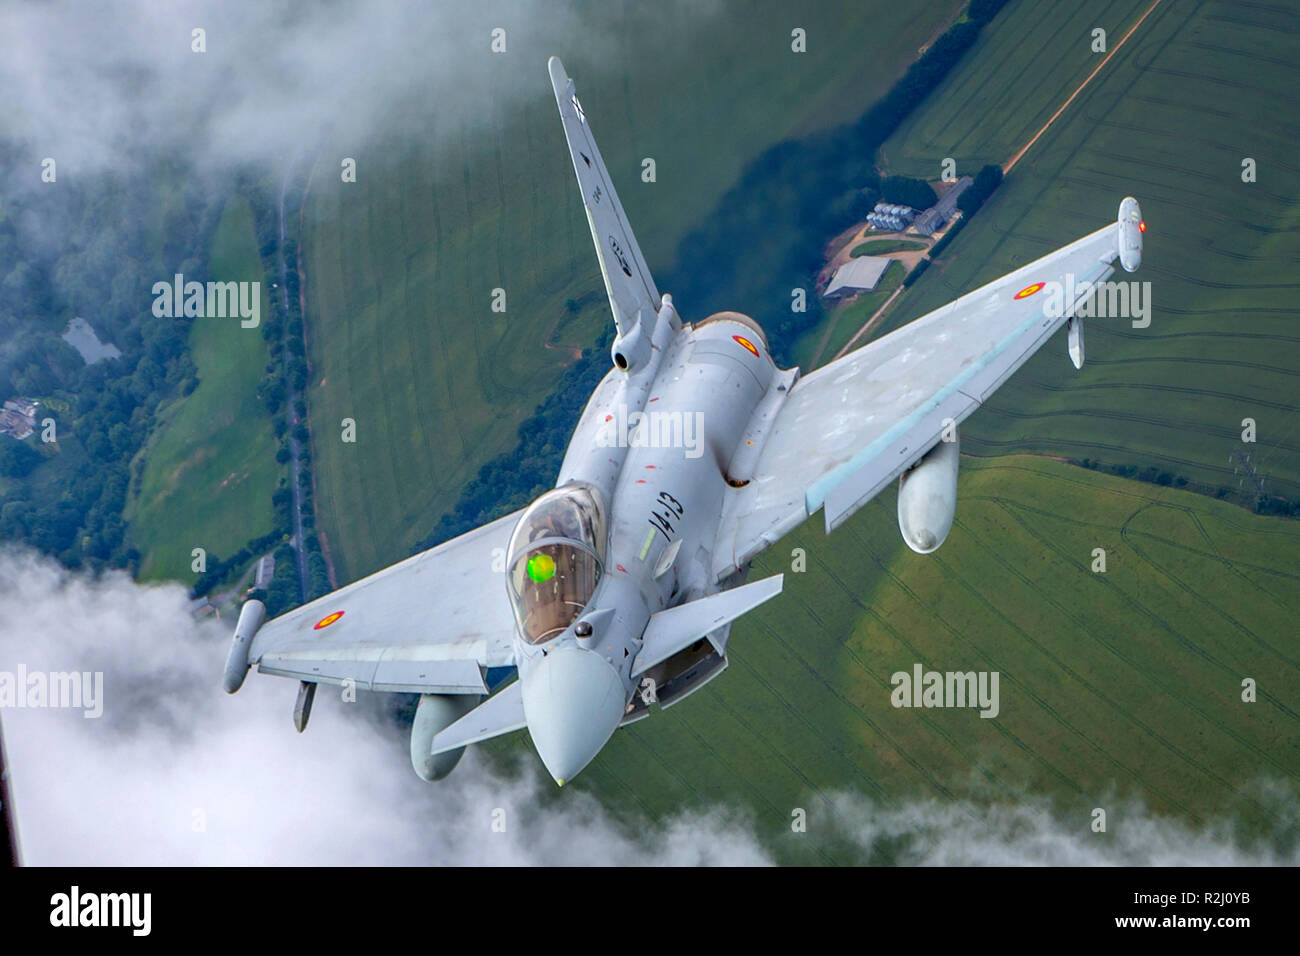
(556, 69)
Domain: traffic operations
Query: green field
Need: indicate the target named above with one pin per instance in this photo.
(400, 266)
(210, 467)
(1113, 686)
(1201, 85)
(817, 345)
(879, 247)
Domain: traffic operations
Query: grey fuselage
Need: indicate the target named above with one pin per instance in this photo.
(663, 444)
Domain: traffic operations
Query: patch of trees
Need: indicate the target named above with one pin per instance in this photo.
(982, 11)
(17, 458)
(986, 180)
(94, 248)
(916, 193)
(282, 592)
(1267, 505)
(917, 271)
(287, 374)
(219, 570)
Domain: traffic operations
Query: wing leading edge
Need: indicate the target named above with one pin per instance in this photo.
(850, 428)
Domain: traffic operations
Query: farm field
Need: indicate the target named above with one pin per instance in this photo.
(1114, 686)
(880, 247)
(401, 265)
(1201, 86)
(210, 468)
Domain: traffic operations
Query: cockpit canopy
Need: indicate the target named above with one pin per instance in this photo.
(557, 554)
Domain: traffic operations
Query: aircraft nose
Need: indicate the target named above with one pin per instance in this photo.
(573, 701)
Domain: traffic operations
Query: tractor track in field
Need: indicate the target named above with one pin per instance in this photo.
(957, 635)
(952, 574)
(1130, 538)
(1010, 508)
(1064, 668)
(799, 716)
(861, 716)
(866, 610)
(642, 742)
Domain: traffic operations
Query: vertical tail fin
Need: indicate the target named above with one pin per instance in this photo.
(633, 297)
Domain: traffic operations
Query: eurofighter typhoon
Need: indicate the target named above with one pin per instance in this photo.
(617, 589)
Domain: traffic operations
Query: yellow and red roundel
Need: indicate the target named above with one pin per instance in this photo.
(1029, 290)
(747, 344)
(327, 620)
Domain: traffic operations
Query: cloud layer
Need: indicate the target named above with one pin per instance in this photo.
(176, 772)
(99, 86)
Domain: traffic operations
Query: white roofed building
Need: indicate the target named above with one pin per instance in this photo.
(860, 274)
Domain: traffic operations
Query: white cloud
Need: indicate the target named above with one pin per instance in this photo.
(126, 788)
(1027, 832)
(100, 86)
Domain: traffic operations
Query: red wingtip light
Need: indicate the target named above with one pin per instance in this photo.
(1142, 227)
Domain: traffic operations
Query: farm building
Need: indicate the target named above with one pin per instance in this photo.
(933, 219)
(18, 417)
(265, 572)
(860, 274)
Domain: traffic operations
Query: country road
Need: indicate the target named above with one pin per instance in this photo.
(295, 451)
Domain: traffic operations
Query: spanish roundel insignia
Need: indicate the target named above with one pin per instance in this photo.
(1029, 290)
(747, 344)
(327, 620)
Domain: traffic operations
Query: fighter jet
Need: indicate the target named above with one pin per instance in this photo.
(615, 591)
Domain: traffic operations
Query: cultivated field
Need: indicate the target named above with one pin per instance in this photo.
(210, 468)
(1199, 87)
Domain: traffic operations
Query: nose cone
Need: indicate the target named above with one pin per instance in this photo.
(573, 702)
